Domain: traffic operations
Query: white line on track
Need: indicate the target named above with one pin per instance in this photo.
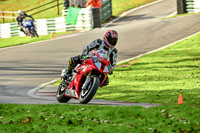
(33, 91)
(172, 14)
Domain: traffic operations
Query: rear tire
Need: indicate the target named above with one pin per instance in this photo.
(60, 94)
(92, 88)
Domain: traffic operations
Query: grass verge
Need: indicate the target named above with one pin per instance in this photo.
(14, 41)
(120, 6)
(97, 119)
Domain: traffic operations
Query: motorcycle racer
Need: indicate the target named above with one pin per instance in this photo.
(21, 16)
(107, 44)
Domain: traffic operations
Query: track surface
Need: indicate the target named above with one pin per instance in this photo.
(25, 67)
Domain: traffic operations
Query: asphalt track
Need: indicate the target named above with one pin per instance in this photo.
(23, 68)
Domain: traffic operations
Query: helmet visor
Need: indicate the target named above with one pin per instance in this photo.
(112, 41)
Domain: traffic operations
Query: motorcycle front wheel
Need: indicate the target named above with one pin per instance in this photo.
(60, 94)
(87, 95)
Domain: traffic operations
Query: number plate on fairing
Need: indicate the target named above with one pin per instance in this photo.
(71, 93)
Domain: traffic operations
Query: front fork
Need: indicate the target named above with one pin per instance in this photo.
(87, 81)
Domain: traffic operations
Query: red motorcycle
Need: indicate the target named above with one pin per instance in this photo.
(86, 79)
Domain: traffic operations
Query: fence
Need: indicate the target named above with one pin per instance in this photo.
(193, 6)
(45, 26)
(4, 15)
(51, 2)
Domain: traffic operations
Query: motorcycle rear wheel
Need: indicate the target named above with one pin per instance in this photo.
(60, 94)
(92, 88)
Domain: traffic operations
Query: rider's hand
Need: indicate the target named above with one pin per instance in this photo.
(83, 56)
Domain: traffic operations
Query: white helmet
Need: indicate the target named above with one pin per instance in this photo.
(20, 12)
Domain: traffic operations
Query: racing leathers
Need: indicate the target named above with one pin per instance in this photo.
(98, 45)
(20, 19)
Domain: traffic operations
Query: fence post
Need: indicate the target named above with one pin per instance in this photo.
(3, 17)
(13, 17)
(58, 7)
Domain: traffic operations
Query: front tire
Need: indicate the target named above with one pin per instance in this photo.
(86, 96)
(60, 94)
(34, 33)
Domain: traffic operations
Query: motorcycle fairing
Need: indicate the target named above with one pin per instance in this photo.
(93, 63)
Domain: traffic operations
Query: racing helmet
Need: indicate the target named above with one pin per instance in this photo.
(20, 12)
(110, 38)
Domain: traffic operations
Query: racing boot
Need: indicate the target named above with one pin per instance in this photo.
(106, 82)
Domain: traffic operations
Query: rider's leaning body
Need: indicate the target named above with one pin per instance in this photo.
(107, 44)
(21, 16)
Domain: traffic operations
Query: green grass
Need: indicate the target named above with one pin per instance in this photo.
(97, 119)
(120, 6)
(14, 41)
(155, 78)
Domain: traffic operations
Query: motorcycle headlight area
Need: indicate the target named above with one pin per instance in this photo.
(97, 62)
(108, 68)
(95, 59)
